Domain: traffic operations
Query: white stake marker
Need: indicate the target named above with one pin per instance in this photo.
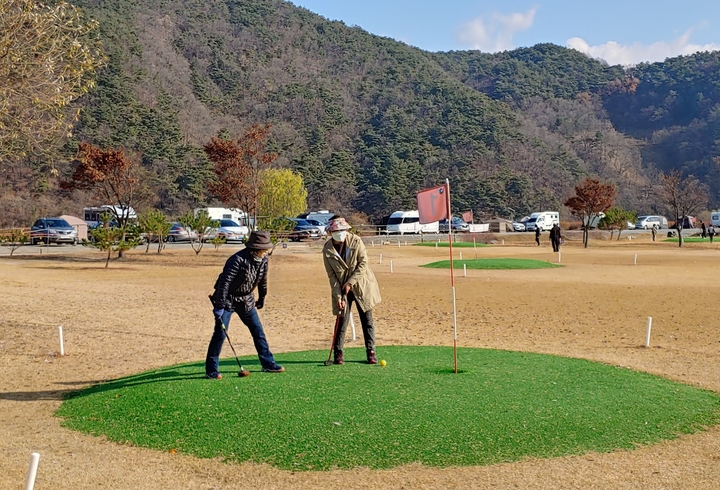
(391, 267)
(398, 243)
(352, 325)
(436, 244)
(647, 334)
(460, 255)
(559, 257)
(62, 342)
(464, 270)
(503, 242)
(32, 471)
(635, 261)
(381, 258)
(373, 243)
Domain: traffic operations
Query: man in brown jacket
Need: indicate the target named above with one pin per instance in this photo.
(351, 280)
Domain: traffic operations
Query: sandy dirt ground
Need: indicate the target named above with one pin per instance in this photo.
(149, 311)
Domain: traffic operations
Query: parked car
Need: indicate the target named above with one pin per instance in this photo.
(230, 230)
(319, 224)
(458, 225)
(52, 230)
(518, 226)
(630, 225)
(178, 233)
(304, 230)
(647, 222)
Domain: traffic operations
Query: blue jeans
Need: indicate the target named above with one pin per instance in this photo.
(252, 321)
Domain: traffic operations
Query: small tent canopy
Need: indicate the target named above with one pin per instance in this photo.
(499, 225)
(78, 224)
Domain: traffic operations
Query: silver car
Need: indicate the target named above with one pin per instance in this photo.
(52, 230)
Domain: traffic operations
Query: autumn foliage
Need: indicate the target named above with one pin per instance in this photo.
(237, 165)
(591, 198)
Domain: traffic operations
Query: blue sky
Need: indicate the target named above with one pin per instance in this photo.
(620, 32)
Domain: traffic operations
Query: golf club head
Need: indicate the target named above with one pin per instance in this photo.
(243, 374)
(327, 363)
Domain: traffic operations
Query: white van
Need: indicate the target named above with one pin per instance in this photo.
(236, 215)
(402, 222)
(715, 218)
(647, 222)
(322, 216)
(544, 220)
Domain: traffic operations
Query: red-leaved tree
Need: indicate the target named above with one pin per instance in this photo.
(591, 198)
(237, 165)
(112, 177)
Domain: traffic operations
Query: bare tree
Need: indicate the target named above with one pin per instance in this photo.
(682, 197)
(591, 198)
(48, 58)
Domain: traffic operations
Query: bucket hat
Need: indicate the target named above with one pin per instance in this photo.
(259, 240)
(338, 224)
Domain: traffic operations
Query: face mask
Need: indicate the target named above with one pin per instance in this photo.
(257, 258)
(339, 236)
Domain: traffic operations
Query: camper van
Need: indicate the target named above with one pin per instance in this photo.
(92, 215)
(544, 220)
(322, 216)
(715, 218)
(240, 217)
(408, 222)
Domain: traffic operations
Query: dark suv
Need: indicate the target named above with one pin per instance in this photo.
(52, 230)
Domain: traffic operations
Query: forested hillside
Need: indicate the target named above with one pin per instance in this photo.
(367, 120)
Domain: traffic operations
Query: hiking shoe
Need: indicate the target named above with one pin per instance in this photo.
(214, 376)
(277, 368)
(338, 358)
(371, 359)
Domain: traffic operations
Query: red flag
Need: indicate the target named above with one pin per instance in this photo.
(432, 204)
(467, 216)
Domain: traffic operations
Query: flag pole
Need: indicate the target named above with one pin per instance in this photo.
(452, 274)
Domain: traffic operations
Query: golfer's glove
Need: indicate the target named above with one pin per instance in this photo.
(260, 303)
(218, 312)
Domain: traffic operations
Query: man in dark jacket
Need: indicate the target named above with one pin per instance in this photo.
(537, 234)
(234, 291)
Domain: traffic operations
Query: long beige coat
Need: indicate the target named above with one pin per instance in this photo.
(355, 269)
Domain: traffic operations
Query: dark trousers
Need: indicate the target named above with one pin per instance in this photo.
(252, 322)
(537, 240)
(368, 327)
(556, 244)
(711, 235)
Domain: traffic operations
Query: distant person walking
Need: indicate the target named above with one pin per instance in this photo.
(711, 232)
(537, 235)
(703, 230)
(555, 237)
(654, 231)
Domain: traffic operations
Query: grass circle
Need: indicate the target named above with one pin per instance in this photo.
(505, 406)
(493, 264)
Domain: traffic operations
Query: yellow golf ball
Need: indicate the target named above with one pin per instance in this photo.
(383, 363)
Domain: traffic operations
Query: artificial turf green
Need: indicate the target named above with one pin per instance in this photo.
(691, 239)
(455, 244)
(490, 263)
(502, 406)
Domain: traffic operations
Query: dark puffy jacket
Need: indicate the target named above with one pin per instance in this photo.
(235, 284)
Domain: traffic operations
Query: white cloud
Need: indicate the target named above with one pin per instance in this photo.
(495, 33)
(632, 54)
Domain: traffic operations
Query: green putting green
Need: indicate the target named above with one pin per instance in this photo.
(498, 263)
(502, 406)
(455, 244)
(692, 239)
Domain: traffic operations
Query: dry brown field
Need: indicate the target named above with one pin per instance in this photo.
(149, 311)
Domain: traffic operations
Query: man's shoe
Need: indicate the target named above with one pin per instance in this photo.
(214, 376)
(274, 369)
(338, 358)
(371, 359)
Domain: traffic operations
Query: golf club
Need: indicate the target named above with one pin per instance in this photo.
(242, 372)
(337, 326)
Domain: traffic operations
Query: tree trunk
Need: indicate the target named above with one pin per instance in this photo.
(619, 232)
(680, 240)
(586, 236)
(107, 261)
